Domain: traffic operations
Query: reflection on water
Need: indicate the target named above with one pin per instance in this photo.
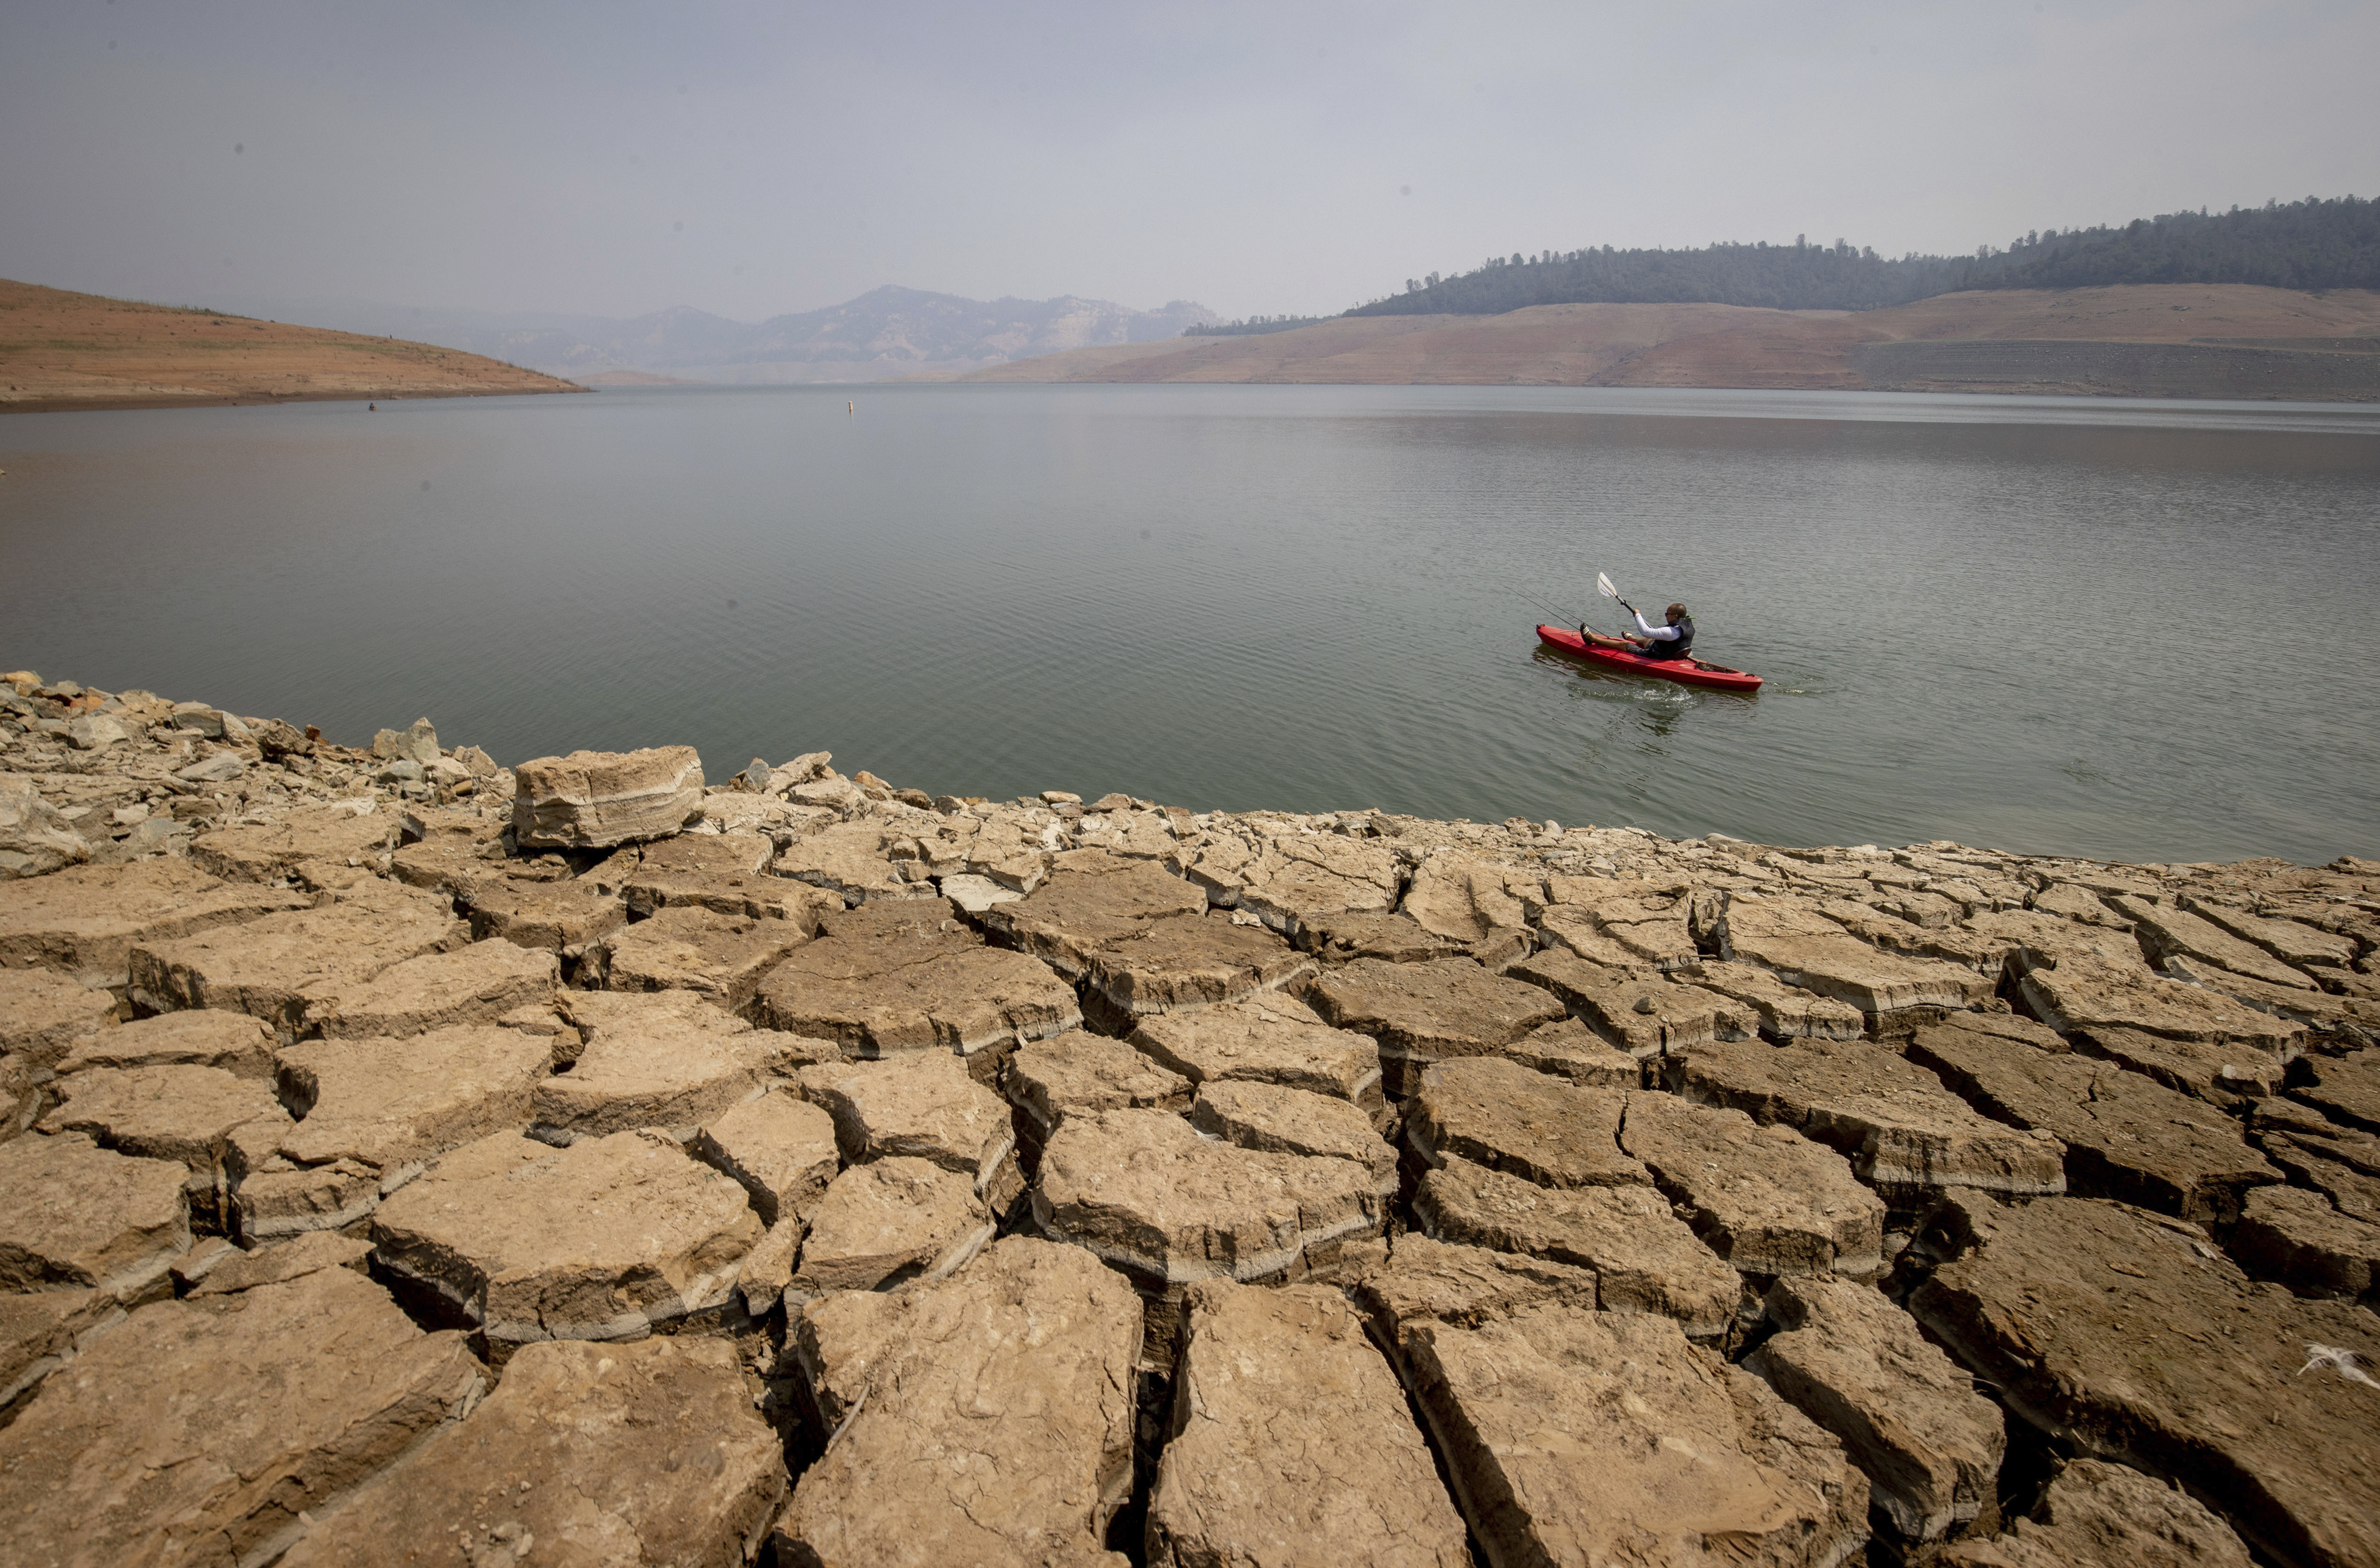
(2127, 629)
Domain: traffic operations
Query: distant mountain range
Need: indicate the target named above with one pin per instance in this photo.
(884, 333)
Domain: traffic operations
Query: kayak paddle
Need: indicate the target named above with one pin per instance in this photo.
(1603, 586)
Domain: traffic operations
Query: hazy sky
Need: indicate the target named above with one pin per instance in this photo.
(754, 159)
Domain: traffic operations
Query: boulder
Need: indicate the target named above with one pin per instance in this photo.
(269, 851)
(103, 1221)
(890, 1222)
(1597, 1437)
(1148, 1195)
(909, 976)
(780, 1147)
(1644, 1257)
(36, 839)
(670, 1070)
(1641, 1013)
(688, 948)
(1265, 1039)
(542, 912)
(2109, 1514)
(2124, 1334)
(1258, 1468)
(84, 922)
(1424, 1012)
(986, 1418)
(604, 1239)
(2125, 1137)
(201, 1037)
(283, 966)
(1908, 1416)
(1078, 1071)
(1786, 1012)
(185, 1113)
(1904, 1134)
(594, 800)
(476, 983)
(204, 1430)
(923, 1104)
(1509, 1118)
(1766, 1199)
(45, 1015)
(2301, 1238)
(2080, 994)
(1292, 1121)
(647, 1453)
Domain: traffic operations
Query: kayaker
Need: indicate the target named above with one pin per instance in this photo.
(1673, 640)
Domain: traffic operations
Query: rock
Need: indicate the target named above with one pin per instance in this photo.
(2079, 995)
(1505, 1117)
(1766, 1199)
(1258, 1468)
(290, 1260)
(104, 1221)
(1464, 900)
(2164, 930)
(1855, 1364)
(276, 740)
(476, 984)
(851, 861)
(184, 1114)
(1648, 922)
(416, 742)
(85, 922)
(1265, 1039)
(382, 1109)
(908, 976)
(668, 1069)
(1080, 1071)
(1292, 1121)
(92, 731)
(692, 949)
(269, 851)
(2125, 1137)
(2299, 1238)
(1642, 1014)
(1297, 879)
(1149, 1196)
(1904, 1134)
(42, 1331)
(725, 873)
(2345, 1089)
(1191, 961)
(1786, 1012)
(890, 1222)
(282, 967)
(977, 894)
(983, 1418)
(646, 1453)
(44, 1016)
(456, 851)
(1644, 1257)
(204, 1037)
(1421, 1013)
(1804, 949)
(35, 836)
(780, 1147)
(594, 800)
(602, 1240)
(220, 768)
(2120, 1332)
(1594, 1437)
(1091, 900)
(540, 913)
(1462, 1286)
(2105, 1513)
(922, 1105)
(198, 1431)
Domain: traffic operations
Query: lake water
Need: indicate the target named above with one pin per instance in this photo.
(2128, 630)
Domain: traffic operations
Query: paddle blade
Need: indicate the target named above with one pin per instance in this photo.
(1603, 586)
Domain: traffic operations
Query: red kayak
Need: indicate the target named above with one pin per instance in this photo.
(1685, 671)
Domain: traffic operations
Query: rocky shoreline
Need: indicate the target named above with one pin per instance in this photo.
(418, 1159)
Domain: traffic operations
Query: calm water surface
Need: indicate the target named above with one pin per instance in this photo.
(2130, 630)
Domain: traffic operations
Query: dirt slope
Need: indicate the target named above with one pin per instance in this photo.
(2243, 342)
(60, 350)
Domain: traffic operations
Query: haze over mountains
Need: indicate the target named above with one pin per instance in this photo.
(885, 332)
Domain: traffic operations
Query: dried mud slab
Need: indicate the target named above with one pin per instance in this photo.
(103, 1221)
(667, 1069)
(280, 1263)
(478, 983)
(1591, 1437)
(2301, 1239)
(2103, 1513)
(1391, 939)
(1908, 1416)
(1642, 1014)
(593, 800)
(271, 852)
(196, 1431)
(84, 922)
(687, 948)
(1092, 901)
(644, 1453)
(1644, 1257)
(2165, 930)
(188, 1114)
(1292, 1121)
(42, 1331)
(1266, 1039)
(1191, 961)
(925, 1106)
(2132, 1337)
(1422, 1013)
(45, 1015)
(201, 1037)
(2345, 1089)
(1459, 1284)
(1786, 1013)
(1078, 1071)
(780, 1147)
(985, 1418)
(282, 967)
(890, 1222)
(541, 913)
(1903, 1132)
(1509, 1118)
(2226, 1075)
(2079, 994)
(1766, 1199)
(1807, 950)
(1258, 1468)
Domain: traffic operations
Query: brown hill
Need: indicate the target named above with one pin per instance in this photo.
(60, 350)
(2160, 340)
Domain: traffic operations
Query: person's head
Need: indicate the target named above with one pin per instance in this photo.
(1677, 613)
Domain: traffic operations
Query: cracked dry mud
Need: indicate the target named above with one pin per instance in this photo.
(416, 1159)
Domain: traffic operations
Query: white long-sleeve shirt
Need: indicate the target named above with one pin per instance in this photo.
(1658, 633)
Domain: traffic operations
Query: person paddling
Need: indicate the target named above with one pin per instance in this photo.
(1673, 640)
